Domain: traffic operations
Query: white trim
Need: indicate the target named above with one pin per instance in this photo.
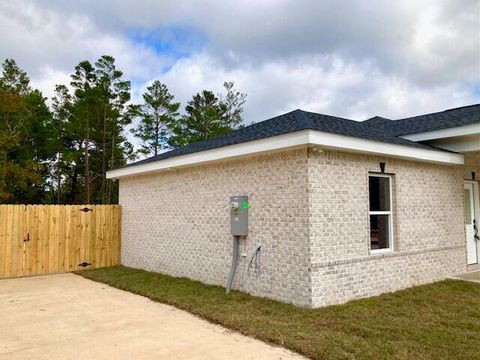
(252, 147)
(459, 144)
(380, 212)
(286, 141)
(342, 142)
(472, 129)
(388, 213)
(476, 211)
(381, 251)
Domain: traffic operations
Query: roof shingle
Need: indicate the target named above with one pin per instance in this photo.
(377, 129)
(446, 119)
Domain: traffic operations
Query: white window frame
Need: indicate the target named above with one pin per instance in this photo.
(389, 213)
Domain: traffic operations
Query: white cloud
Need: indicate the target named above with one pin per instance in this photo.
(350, 58)
(325, 84)
(48, 44)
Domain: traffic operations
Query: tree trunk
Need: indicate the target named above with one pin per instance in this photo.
(104, 155)
(71, 196)
(87, 167)
(157, 136)
(59, 179)
(111, 167)
(74, 185)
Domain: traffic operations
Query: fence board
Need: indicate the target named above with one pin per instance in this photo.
(60, 237)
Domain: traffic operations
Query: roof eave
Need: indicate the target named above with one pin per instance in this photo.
(454, 131)
(289, 141)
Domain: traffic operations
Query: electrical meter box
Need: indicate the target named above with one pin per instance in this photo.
(239, 215)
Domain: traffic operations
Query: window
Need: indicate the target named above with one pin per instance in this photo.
(380, 198)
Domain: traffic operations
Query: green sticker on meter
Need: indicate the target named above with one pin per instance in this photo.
(245, 204)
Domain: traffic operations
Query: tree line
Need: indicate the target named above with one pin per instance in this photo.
(60, 154)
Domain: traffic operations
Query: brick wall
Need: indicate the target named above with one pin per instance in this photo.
(472, 164)
(309, 212)
(428, 232)
(178, 223)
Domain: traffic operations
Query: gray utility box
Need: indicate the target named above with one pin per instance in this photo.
(239, 215)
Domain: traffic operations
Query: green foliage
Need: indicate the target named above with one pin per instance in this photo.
(25, 133)
(36, 149)
(91, 121)
(65, 143)
(234, 101)
(14, 79)
(62, 154)
(205, 118)
(208, 116)
(157, 114)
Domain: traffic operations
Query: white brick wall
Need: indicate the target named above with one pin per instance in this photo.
(428, 226)
(339, 282)
(178, 222)
(309, 212)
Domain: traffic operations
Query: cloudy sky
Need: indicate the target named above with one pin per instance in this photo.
(347, 58)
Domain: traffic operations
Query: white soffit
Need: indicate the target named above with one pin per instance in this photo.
(459, 144)
(287, 141)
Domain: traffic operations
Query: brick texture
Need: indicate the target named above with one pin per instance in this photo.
(309, 212)
(428, 226)
(178, 223)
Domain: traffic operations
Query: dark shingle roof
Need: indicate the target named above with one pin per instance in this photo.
(377, 129)
(287, 123)
(446, 119)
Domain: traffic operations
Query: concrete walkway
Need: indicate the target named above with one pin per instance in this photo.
(69, 317)
(470, 276)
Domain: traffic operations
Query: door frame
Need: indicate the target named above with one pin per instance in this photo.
(476, 209)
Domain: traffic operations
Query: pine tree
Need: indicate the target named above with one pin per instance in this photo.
(113, 95)
(98, 113)
(234, 101)
(204, 119)
(62, 115)
(83, 83)
(157, 113)
(14, 79)
(207, 116)
(37, 146)
(62, 155)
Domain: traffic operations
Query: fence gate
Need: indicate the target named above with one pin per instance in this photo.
(43, 239)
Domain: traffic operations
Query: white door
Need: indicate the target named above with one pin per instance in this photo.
(470, 226)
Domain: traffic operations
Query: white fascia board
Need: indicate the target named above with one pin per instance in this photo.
(287, 141)
(353, 144)
(472, 129)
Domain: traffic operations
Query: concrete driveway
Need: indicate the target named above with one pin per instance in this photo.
(473, 276)
(69, 317)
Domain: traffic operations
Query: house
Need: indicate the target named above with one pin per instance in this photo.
(338, 209)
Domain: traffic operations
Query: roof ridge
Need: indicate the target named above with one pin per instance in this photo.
(375, 118)
(439, 112)
(462, 107)
(326, 115)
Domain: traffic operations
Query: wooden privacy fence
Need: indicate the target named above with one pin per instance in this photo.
(43, 239)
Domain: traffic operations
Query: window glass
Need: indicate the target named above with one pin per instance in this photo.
(379, 189)
(380, 212)
(379, 232)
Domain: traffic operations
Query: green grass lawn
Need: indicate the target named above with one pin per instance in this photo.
(437, 321)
